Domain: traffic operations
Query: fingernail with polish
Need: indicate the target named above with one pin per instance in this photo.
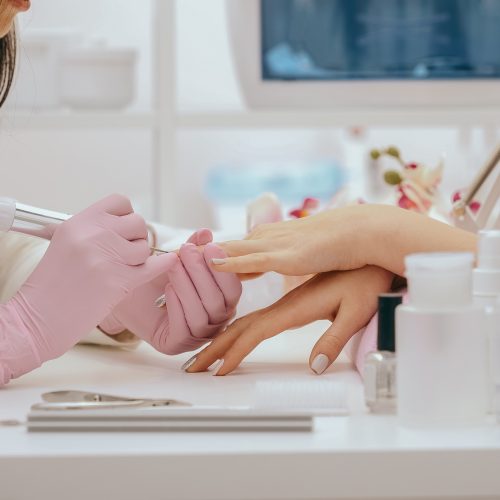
(320, 364)
(217, 366)
(218, 261)
(190, 362)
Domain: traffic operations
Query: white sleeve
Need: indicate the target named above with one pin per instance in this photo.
(20, 255)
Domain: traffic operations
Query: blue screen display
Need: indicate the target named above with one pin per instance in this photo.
(380, 39)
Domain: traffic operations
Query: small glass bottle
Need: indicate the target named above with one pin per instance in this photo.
(380, 365)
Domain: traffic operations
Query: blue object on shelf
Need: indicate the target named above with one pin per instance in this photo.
(291, 183)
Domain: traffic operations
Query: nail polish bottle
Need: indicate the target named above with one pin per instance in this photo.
(380, 365)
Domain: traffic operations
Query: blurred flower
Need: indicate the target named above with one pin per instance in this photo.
(417, 184)
(309, 205)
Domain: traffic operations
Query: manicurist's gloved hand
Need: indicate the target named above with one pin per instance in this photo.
(93, 261)
(199, 301)
(347, 298)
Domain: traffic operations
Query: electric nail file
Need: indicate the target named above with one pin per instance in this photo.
(21, 218)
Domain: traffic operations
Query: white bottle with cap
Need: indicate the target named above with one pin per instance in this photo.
(493, 318)
(486, 279)
(486, 289)
(442, 371)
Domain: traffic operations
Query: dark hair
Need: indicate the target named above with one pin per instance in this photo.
(7, 63)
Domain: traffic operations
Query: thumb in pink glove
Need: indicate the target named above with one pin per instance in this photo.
(93, 261)
(199, 301)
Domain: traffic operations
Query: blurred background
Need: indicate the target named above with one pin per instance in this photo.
(192, 108)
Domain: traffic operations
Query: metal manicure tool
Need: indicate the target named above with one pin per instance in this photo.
(77, 411)
(35, 221)
(83, 400)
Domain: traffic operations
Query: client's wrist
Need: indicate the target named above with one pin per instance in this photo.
(378, 225)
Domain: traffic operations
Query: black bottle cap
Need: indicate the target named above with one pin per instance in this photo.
(387, 303)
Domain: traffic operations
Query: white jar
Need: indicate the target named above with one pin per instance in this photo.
(441, 339)
(98, 78)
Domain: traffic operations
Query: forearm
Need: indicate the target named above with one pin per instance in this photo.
(396, 233)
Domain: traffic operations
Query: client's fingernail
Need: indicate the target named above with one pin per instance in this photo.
(190, 362)
(320, 364)
(161, 301)
(217, 262)
(217, 366)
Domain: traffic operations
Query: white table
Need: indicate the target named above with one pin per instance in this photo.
(359, 456)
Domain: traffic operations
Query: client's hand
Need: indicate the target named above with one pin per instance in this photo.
(341, 239)
(199, 301)
(348, 299)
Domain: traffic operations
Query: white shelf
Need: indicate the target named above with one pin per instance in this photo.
(76, 120)
(412, 117)
(341, 118)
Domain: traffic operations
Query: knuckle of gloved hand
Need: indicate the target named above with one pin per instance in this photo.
(199, 326)
(166, 345)
(221, 315)
(172, 349)
(120, 202)
(93, 247)
(138, 222)
(76, 238)
(140, 254)
(236, 292)
(230, 314)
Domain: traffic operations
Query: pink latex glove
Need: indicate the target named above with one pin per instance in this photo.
(199, 301)
(93, 261)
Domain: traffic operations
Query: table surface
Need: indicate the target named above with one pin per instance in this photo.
(355, 456)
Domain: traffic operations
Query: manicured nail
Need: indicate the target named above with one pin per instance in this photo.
(212, 365)
(320, 364)
(218, 262)
(161, 301)
(190, 362)
(217, 366)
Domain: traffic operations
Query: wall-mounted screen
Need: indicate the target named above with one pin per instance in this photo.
(380, 39)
